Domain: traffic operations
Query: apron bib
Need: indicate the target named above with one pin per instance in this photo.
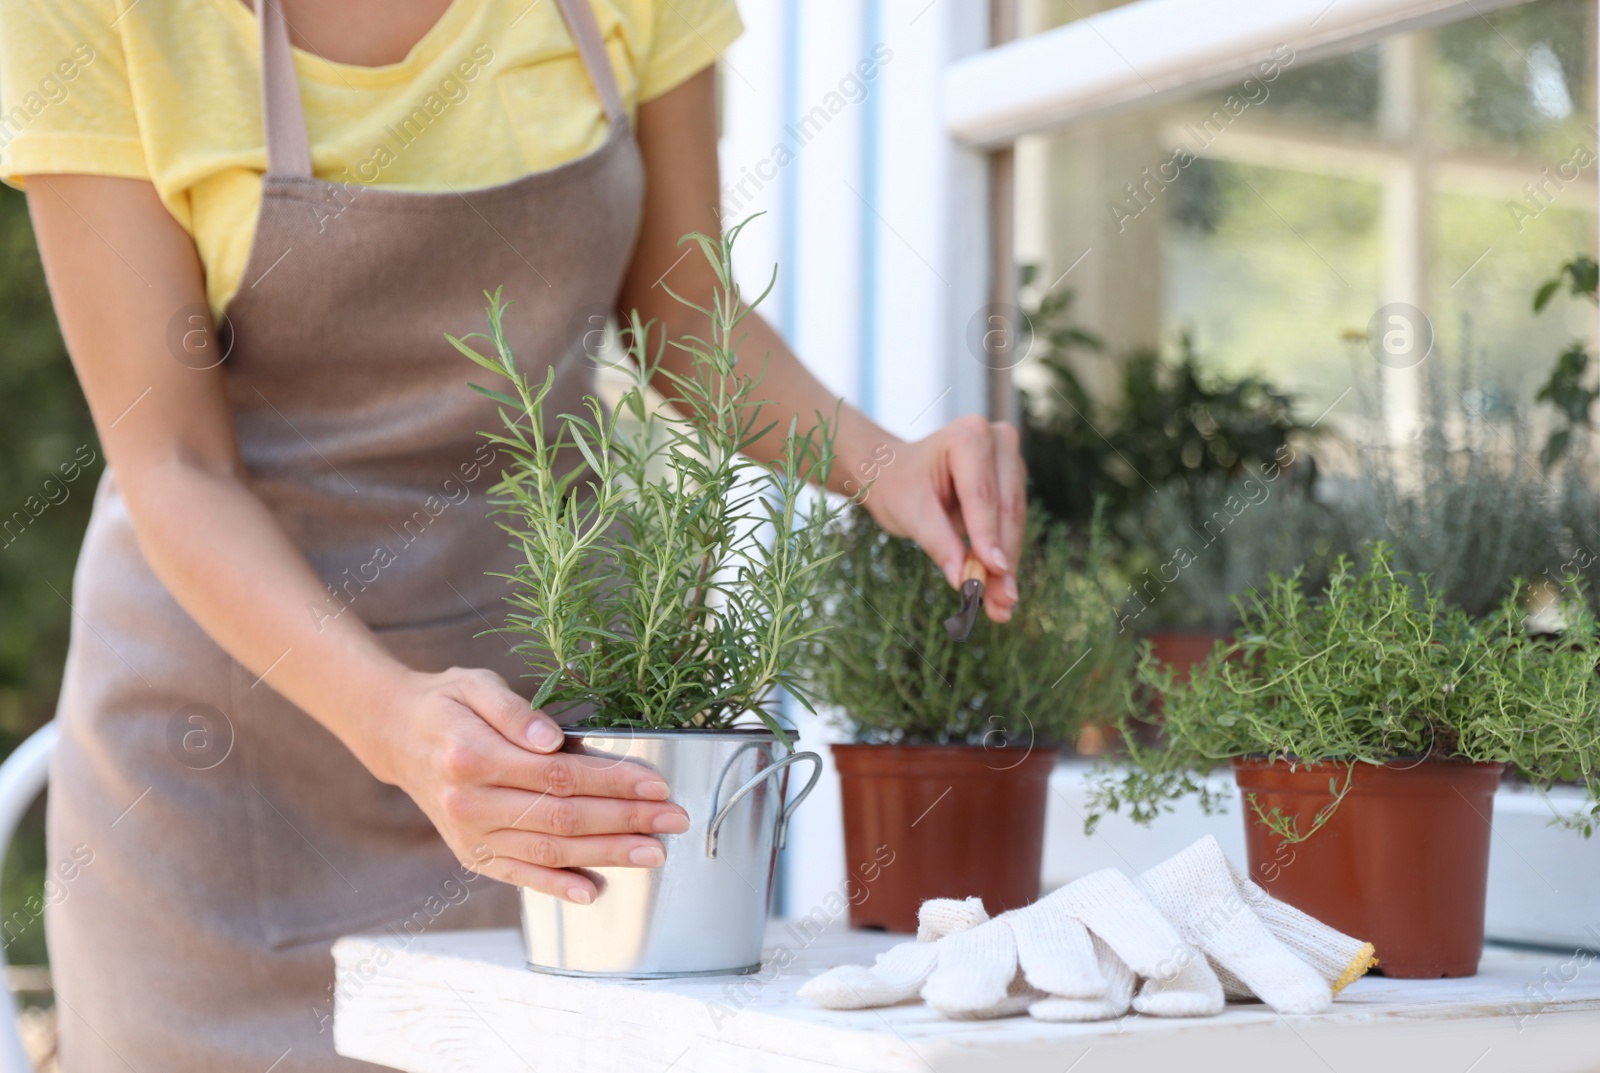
(229, 836)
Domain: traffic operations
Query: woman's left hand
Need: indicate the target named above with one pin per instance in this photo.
(967, 479)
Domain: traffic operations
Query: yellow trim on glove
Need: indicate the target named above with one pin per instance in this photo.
(1357, 968)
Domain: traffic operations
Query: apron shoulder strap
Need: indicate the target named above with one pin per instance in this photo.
(592, 47)
(288, 147)
(288, 150)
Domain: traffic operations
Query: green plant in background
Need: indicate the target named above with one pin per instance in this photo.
(667, 578)
(1177, 423)
(1581, 276)
(1570, 389)
(1185, 462)
(45, 425)
(884, 658)
(1067, 457)
(1378, 667)
(1189, 555)
(1465, 502)
(1171, 426)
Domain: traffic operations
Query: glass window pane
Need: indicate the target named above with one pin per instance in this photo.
(1451, 169)
(1037, 16)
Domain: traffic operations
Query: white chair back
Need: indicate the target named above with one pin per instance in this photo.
(22, 779)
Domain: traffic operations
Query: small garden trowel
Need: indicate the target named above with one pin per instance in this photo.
(973, 576)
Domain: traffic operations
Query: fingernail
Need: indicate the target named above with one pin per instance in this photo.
(952, 573)
(648, 856)
(1011, 588)
(579, 895)
(652, 790)
(670, 823)
(999, 558)
(545, 737)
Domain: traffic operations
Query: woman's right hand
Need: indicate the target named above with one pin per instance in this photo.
(486, 769)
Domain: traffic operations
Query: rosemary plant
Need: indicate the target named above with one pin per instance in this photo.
(666, 576)
(887, 662)
(1377, 668)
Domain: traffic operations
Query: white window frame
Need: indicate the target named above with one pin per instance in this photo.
(1152, 49)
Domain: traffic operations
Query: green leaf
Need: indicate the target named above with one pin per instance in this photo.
(1555, 447)
(1546, 291)
(497, 396)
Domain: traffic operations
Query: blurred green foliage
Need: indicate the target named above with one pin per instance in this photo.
(1517, 77)
(44, 424)
(887, 662)
(1172, 423)
(1570, 389)
(1175, 457)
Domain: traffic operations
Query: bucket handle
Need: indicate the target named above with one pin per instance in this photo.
(761, 776)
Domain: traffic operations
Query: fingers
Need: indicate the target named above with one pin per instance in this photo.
(972, 469)
(572, 886)
(558, 773)
(570, 775)
(589, 851)
(550, 861)
(1011, 480)
(499, 808)
(939, 537)
(486, 693)
(483, 776)
(986, 469)
(564, 775)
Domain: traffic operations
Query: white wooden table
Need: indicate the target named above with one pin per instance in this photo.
(463, 1001)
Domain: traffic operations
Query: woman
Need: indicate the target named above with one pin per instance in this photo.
(278, 724)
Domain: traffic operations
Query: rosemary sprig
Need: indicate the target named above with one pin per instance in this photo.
(666, 577)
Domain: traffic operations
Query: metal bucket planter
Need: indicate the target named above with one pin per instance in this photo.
(703, 912)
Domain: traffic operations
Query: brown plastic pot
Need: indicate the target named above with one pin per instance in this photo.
(1402, 863)
(940, 821)
(1183, 649)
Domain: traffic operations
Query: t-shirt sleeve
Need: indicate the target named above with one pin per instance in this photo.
(689, 35)
(65, 103)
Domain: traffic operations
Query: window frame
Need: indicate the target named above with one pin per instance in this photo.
(1149, 50)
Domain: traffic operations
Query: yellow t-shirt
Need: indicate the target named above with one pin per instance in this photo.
(169, 91)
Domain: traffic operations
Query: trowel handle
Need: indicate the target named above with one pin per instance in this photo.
(974, 570)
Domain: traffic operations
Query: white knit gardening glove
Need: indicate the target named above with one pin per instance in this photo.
(900, 971)
(1259, 946)
(1042, 958)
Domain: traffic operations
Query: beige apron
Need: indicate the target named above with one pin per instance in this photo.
(229, 838)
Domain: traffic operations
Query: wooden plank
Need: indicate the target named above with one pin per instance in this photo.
(464, 1001)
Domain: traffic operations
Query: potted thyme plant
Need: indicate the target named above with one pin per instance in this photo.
(661, 599)
(1368, 727)
(954, 742)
